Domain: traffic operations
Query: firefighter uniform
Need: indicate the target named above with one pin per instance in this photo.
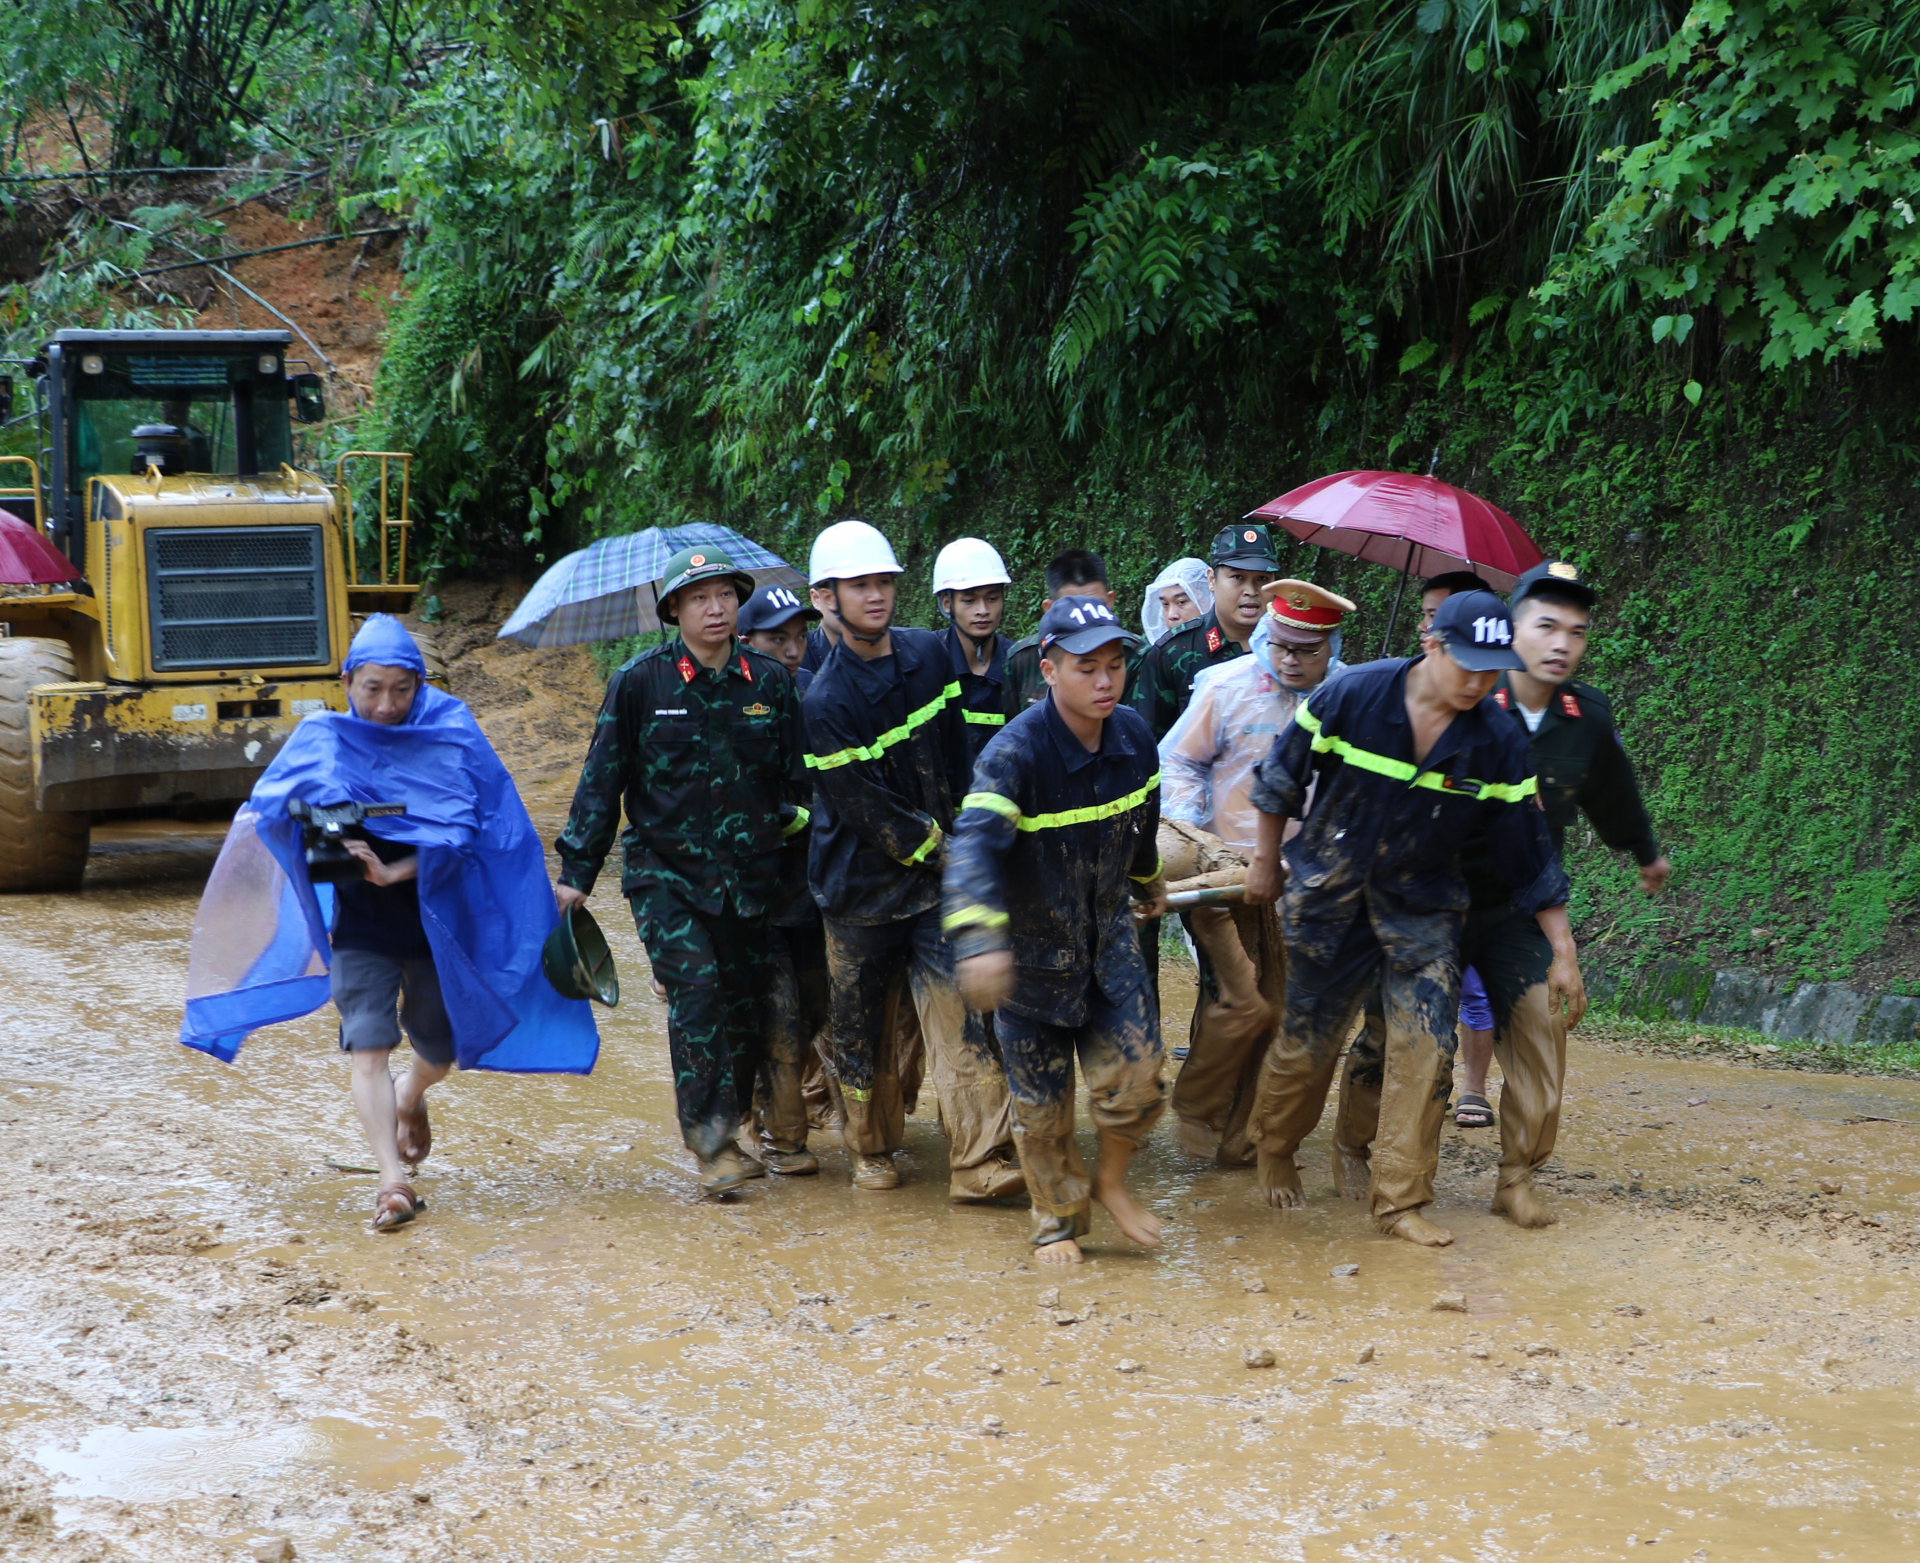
(1163, 683)
(709, 765)
(983, 696)
(1376, 896)
(1581, 766)
(1051, 843)
(887, 748)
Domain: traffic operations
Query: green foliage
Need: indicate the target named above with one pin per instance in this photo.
(1777, 198)
(1060, 273)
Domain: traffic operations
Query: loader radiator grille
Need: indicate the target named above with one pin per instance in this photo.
(230, 597)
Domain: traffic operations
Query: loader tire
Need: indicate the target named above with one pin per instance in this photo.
(38, 851)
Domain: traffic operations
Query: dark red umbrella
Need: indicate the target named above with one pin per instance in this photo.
(1416, 524)
(27, 558)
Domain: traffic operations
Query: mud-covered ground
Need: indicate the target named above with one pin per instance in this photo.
(205, 1355)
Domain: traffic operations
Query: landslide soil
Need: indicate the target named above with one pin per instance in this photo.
(204, 1352)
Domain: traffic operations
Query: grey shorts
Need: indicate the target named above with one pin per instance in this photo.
(369, 988)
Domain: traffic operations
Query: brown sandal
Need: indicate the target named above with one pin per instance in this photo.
(415, 1133)
(396, 1205)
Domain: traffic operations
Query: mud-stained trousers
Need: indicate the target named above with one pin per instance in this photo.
(1512, 956)
(713, 969)
(1420, 1007)
(1243, 983)
(963, 1060)
(794, 1015)
(1119, 1051)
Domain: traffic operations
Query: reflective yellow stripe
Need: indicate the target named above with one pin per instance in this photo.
(893, 735)
(986, 718)
(1159, 863)
(1098, 811)
(858, 1096)
(1401, 771)
(972, 916)
(925, 848)
(992, 802)
(797, 824)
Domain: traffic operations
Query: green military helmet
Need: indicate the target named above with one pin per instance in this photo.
(577, 961)
(700, 563)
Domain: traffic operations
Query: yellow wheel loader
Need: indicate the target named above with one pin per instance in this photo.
(220, 584)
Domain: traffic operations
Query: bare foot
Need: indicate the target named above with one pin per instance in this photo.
(1137, 1224)
(1279, 1181)
(1352, 1173)
(1416, 1228)
(1064, 1252)
(1520, 1205)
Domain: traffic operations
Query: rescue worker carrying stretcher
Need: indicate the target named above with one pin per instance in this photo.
(1582, 768)
(1407, 759)
(1238, 708)
(1054, 845)
(888, 751)
(701, 736)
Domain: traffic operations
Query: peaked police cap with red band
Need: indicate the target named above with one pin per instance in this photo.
(1304, 607)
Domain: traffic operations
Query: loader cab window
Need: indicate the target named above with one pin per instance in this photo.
(215, 414)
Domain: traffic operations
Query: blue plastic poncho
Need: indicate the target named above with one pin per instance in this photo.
(260, 948)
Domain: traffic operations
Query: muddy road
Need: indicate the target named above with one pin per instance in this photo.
(205, 1355)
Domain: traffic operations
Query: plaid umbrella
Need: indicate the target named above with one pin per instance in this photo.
(606, 591)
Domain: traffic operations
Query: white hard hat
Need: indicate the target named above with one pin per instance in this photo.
(967, 562)
(848, 550)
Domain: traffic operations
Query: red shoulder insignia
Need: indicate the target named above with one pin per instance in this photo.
(745, 671)
(1501, 696)
(685, 665)
(1215, 640)
(1568, 704)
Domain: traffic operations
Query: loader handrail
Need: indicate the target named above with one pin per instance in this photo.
(386, 523)
(33, 493)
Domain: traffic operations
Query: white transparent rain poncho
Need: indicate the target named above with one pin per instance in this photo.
(1208, 757)
(1190, 575)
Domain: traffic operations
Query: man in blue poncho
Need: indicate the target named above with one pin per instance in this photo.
(444, 927)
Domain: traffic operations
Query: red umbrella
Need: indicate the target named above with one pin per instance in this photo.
(27, 558)
(1417, 524)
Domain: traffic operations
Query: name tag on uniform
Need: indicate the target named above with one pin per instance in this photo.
(676, 711)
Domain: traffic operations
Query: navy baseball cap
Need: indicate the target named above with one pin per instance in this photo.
(1078, 625)
(1477, 631)
(1555, 575)
(769, 608)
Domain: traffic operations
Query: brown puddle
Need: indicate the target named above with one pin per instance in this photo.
(571, 1356)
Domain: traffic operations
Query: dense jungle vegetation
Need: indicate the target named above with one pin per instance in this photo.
(1074, 272)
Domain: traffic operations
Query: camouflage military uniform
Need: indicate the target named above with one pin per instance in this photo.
(1164, 683)
(710, 767)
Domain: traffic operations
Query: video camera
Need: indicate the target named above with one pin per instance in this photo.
(325, 828)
